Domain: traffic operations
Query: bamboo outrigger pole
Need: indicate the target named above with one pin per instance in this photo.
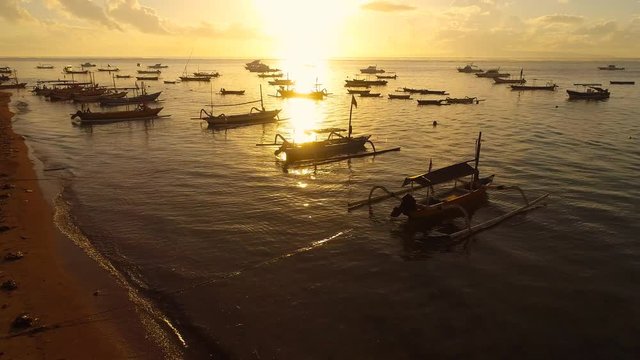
(477, 160)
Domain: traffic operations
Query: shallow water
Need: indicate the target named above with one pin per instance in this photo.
(230, 247)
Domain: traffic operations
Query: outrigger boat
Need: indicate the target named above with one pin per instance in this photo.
(364, 83)
(149, 72)
(358, 91)
(144, 78)
(610, 67)
(255, 116)
(591, 93)
(492, 73)
(394, 76)
(549, 86)
(335, 147)
(464, 100)
(460, 201)
(373, 69)
(499, 80)
(370, 94)
(142, 98)
(224, 91)
(400, 96)
(142, 112)
(281, 82)
(15, 85)
(620, 82)
(209, 74)
(87, 64)
(425, 91)
(69, 70)
(158, 66)
(5, 70)
(109, 68)
(270, 75)
(438, 102)
(44, 66)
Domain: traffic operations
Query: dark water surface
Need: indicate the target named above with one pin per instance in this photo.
(248, 261)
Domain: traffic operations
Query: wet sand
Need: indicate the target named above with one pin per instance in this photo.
(71, 297)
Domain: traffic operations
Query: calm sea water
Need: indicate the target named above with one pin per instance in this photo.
(248, 261)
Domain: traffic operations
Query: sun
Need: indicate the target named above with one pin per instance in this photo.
(304, 31)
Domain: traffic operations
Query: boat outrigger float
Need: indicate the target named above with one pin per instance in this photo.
(335, 147)
(461, 201)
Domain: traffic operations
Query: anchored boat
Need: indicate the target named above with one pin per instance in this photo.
(254, 116)
(460, 201)
(142, 112)
(590, 93)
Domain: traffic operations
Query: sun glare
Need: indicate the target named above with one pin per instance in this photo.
(303, 31)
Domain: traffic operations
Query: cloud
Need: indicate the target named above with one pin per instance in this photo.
(558, 19)
(13, 12)
(141, 17)
(386, 6)
(86, 10)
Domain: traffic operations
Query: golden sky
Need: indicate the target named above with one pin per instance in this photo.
(326, 28)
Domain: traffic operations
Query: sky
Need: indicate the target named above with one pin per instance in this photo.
(313, 29)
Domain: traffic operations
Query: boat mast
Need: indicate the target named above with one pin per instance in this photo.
(477, 160)
(353, 101)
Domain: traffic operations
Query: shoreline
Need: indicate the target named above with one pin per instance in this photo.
(72, 297)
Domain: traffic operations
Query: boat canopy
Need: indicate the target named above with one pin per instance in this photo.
(443, 175)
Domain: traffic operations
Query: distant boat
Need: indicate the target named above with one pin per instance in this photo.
(550, 86)
(432, 102)
(591, 93)
(400, 96)
(364, 83)
(425, 91)
(290, 93)
(69, 70)
(109, 68)
(44, 66)
(142, 98)
(141, 113)
(281, 82)
(259, 67)
(210, 74)
(373, 69)
(358, 91)
(270, 75)
(470, 69)
(87, 64)
(170, 81)
(15, 85)
(123, 76)
(464, 100)
(521, 80)
(5, 70)
(143, 78)
(149, 72)
(394, 76)
(195, 78)
(370, 94)
(492, 73)
(224, 91)
(158, 66)
(613, 82)
(610, 67)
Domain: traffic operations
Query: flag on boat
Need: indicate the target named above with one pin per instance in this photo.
(353, 101)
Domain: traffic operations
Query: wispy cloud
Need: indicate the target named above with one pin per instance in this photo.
(132, 13)
(386, 6)
(13, 12)
(86, 10)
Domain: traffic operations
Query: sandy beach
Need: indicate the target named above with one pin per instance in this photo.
(70, 299)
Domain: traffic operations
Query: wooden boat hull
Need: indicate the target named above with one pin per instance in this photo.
(115, 116)
(281, 82)
(356, 91)
(370, 94)
(466, 100)
(260, 117)
(195, 78)
(499, 80)
(432, 102)
(232, 92)
(579, 95)
(318, 150)
(532, 87)
(148, 78)
(123, 76)
(97, 98)
(425, 91)
(131, 100)
(613, 82)
(468, 200)
(402, 97)
(365, 83)
(149, 72)
(13, 86)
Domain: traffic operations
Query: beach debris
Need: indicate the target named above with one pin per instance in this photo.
(9, 285)
(13, 256)
(23, 321)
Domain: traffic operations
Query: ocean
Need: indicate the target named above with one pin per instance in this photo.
(233, 256)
